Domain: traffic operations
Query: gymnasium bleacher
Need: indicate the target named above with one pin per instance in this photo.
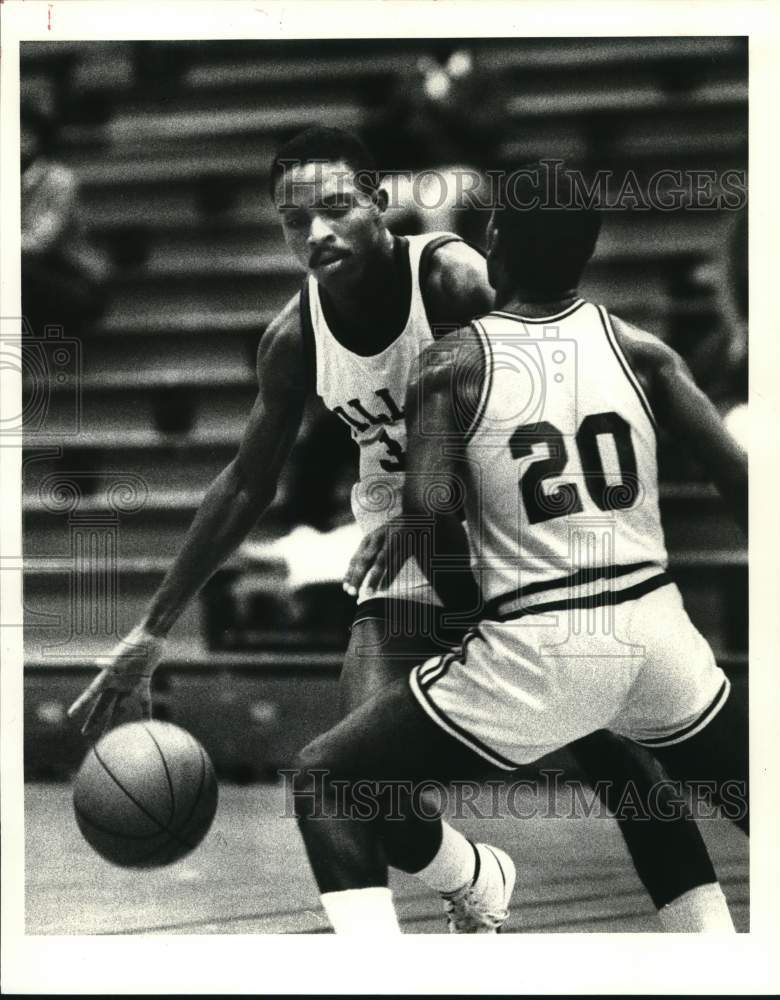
(171, 144)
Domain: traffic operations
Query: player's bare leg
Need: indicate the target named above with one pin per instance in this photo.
(383, 648)
(379, 653)
(391, 741)
(660, 832)
(717, 757)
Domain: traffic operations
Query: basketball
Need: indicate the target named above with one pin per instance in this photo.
(146, 795)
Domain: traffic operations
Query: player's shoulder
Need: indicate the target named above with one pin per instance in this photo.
(285, 328)
(452, 262)
(455, 369)
(646, 353)
(281, 349)
(459, 353)
(455, 284)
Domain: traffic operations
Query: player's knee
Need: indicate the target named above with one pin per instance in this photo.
(310, 773)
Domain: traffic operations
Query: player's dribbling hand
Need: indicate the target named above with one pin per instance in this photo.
(122, 690)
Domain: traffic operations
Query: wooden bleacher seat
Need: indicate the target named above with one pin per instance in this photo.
(134, 166)
(119, 320)
(171, 462)
(246, 74)
(564, 54)
(126, 351)
(218, 261)
(104, 67)
(130, 127)
(225, 377)
(636, 99)
(165, 208)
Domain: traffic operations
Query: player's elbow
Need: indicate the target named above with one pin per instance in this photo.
(246, 486)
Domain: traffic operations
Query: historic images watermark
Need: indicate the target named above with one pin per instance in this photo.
(547, 183)
(546, 795)
(50, 369)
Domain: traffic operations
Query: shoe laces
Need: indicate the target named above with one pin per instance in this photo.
(465, 912)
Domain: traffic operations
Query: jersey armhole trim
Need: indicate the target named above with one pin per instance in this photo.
(487, 380)
(626, 366)
(307, 335)
(424, 269)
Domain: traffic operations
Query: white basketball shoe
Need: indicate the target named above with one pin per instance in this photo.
(482, 905)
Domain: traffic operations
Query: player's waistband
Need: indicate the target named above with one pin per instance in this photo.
(590, 587)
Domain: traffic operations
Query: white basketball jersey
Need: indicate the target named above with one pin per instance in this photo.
(368, 394)
(561, 463)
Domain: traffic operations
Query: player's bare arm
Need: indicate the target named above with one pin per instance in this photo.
(232, 505)
(457, 287)
(430, 527)
(243, 490)
(683, 410)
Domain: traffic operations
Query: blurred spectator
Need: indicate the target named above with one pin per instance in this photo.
(62, 273)
(436, 137)
(734, 301)
(734, 310)
(720, 360)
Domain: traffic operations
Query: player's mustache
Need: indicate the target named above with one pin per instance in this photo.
(329, 253)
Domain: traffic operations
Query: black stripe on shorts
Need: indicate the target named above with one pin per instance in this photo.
(680, 734)
(584, 575)
(608, 597)
(468, 738)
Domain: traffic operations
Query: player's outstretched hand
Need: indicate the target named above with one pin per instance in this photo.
(122, 690)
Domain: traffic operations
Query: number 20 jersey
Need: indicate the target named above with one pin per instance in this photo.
(368, 393)
(561, 472)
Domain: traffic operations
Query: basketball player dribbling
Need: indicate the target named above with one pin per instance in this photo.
(371, 303)
(548, 469)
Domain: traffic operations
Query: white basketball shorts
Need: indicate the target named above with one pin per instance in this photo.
(519, 689)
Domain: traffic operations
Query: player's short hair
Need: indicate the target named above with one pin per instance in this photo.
(547, 230)
(327, 145)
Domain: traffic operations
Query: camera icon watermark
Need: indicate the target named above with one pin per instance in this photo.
(71, 594)
(49, 366)
(510, 379)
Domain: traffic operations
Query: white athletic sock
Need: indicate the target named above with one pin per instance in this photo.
(700, 910)
(453, 865)
(362, 912)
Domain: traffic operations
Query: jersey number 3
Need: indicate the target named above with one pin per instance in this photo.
(564, 499)
(396, 460)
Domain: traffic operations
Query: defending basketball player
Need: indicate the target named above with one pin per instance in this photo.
(582, 627)
(370, 305)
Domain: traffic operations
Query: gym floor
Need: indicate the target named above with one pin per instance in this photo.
(250, 875)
